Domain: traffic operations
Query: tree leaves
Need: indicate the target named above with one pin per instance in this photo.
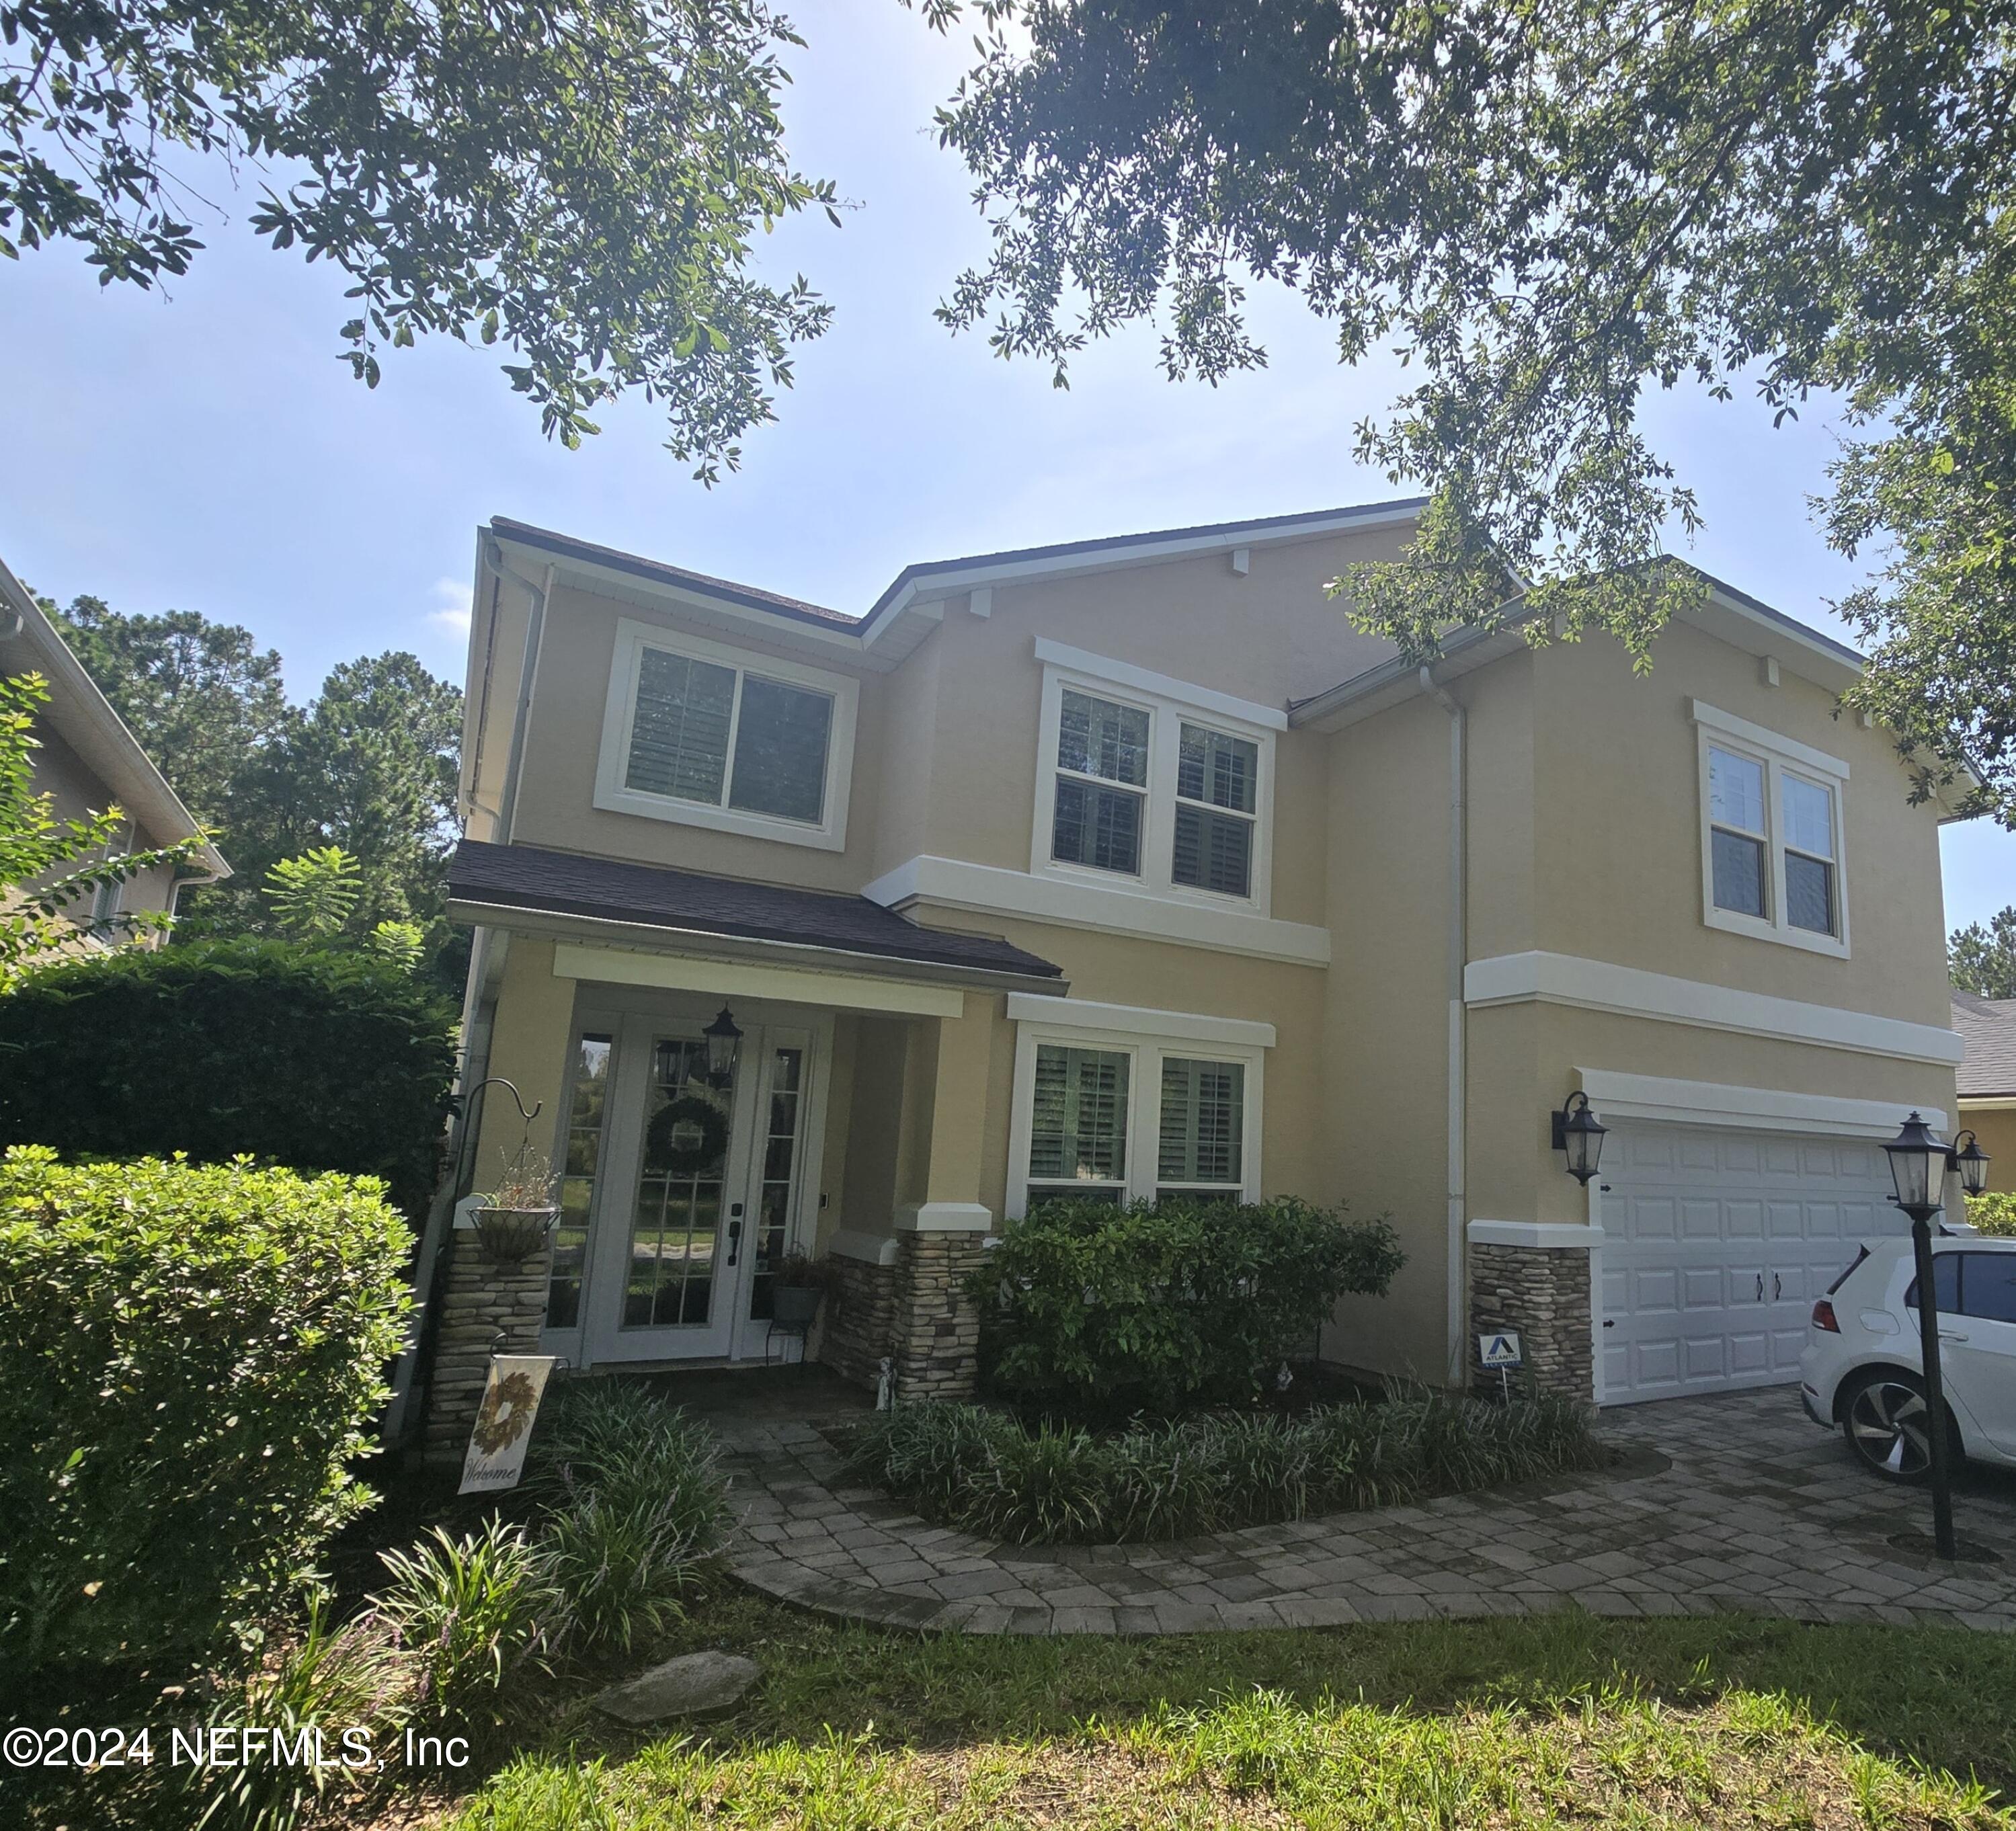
(1550, 209)
(575, 179)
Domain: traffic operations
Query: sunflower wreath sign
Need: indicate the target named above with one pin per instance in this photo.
(503, 1427)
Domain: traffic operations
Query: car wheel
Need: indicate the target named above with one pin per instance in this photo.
(1884, 1418)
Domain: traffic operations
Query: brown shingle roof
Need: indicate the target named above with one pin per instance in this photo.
(1987, 1028)
(570, 884)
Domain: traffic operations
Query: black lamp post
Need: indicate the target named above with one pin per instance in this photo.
(1578, 1135)
(1918, 1161)
(724, 1041)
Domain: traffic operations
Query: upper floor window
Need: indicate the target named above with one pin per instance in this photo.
(1170, 794)
(714, 736)
(1772, 839)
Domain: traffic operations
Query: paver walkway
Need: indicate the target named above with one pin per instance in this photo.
(1758, 1510)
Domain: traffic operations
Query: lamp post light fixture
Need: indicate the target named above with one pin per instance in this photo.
(1919, 1158)
(724, 1041)
(1578, 1135)
(1969, 1162)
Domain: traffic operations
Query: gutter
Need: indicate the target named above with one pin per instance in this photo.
(1458, 954)
(528, 674)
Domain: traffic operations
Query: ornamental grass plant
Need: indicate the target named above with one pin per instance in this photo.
(979, 1469)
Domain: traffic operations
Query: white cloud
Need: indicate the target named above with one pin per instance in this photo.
(451, 611)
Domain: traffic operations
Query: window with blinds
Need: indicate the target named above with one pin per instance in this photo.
(723, 736)
(1202, 1129)
(1102, 771)
(1217, 793)
(1078, 1139)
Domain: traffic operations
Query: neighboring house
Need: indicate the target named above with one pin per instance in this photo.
(89, 761)
(1987, 1029)
(1128, 866)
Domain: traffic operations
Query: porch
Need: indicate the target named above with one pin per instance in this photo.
(850, 1104)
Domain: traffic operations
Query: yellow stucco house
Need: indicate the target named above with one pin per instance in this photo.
(87, 761)
(1127, 866)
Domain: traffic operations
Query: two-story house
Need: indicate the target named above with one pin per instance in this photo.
(87, 761)
(1128, 867)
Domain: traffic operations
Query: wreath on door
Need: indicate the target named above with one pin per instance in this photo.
(686, 1137)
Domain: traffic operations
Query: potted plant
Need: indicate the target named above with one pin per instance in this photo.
(519, 1213)
(796, 1287)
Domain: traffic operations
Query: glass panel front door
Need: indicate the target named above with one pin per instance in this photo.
(699, 1194)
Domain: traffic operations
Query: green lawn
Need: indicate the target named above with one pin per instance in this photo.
(1564, 1720)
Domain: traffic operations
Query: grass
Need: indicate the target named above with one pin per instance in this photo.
(1563, 1720)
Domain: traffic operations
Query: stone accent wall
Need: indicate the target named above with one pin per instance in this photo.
(858, 1320)
(477, 1299)
(1543, 1293)
(938, 1324)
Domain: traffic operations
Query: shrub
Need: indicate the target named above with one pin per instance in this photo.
(638, 1503)
(1092, 1308)
(470, 1610)
(1993, 1213)
(291, 1055)
(965, 1465)
(189, 1359)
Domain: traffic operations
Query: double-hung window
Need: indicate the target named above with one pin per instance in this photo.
(1115, 1118)
(1772, 835)
(709, 735)
(1146, 790)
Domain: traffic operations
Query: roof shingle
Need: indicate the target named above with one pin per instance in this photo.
(571, 883)
(1987, 1029)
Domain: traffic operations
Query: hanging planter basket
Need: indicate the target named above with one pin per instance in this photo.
(508, 1236)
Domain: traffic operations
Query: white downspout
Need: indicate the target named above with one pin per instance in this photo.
(1459, 948)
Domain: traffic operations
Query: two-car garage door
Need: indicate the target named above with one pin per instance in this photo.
(1715, 1244)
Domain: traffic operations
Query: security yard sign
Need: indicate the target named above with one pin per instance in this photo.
(1500, 1350)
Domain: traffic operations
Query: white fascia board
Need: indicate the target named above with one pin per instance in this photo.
(1140, 1020)
(1758, 1109)
(792, 985)
(988, 889)
(1541, 1235)
(1162, 685)
(1599, 985)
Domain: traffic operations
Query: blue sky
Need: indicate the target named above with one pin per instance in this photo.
(207, 452)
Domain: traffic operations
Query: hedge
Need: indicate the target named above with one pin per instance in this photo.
(189, 1358)
(1095, 1309)
(315, 1060)
(1993, 1213)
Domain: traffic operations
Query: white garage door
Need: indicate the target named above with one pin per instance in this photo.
(1715, 1244)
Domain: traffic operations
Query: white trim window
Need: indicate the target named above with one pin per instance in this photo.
(1110, 1117)
(709, 735)
(1771, 835)
(1141, 788)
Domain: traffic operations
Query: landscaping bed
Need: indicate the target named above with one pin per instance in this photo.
(984, 1471)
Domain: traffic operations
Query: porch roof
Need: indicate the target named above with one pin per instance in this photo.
(488, 882)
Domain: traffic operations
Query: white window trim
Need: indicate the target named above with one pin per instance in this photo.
(1145, 1050)
(613, 792)
(1169, 704)
(1775, 756)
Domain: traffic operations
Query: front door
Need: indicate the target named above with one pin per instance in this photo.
(699, 1194)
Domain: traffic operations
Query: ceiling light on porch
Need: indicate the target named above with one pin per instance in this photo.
(1578, 1136)
(1969, 1162)
(724, 1041)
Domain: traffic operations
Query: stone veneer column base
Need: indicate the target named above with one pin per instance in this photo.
(858, 1329)
(1543, 1292)
(479, 1300)
(938, 1324)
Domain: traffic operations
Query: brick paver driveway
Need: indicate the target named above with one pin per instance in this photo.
(1757, 1510)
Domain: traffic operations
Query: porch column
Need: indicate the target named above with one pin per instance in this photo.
(480, 1300)
(941, 1225)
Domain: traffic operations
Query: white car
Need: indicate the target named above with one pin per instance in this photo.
(1861, 1369)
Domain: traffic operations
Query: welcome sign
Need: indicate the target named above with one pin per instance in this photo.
(503, 1426)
